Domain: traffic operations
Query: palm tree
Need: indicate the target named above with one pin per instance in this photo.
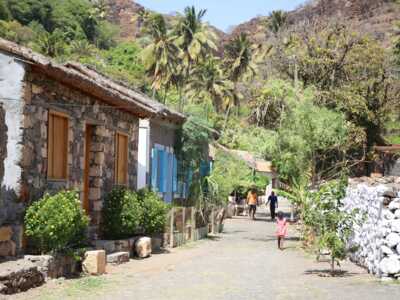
(194, 37)
(208, 83)
(82, 48)
(238, 60)
(277, 20)
(52, 44)
(161, 55)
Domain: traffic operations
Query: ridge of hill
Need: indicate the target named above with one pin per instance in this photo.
(375, 17)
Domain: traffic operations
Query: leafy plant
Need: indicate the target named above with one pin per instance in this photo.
(323, 212)
(56, 223)
(154, 212)
(122, 214)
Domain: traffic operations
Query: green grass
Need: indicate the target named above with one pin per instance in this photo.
(76, 288)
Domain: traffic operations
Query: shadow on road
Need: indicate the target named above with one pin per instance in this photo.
(273, 239)
(327, 273)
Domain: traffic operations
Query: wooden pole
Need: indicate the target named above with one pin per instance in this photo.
(213, 220)
(171, 238)
(184, 224)
(193, 222)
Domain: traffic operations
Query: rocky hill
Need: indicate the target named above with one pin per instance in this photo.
(127, 15)
(375, 17)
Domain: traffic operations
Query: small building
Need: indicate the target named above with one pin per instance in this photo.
(67, 127)
(254, 162)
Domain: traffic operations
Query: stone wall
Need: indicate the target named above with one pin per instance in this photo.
(44, 95)
(377, 233)
(3, 141)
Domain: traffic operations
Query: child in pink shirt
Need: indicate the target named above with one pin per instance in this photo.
(282, 228)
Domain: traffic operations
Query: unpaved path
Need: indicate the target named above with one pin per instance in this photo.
(242, 263)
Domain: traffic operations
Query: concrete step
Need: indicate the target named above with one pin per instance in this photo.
(118, 258)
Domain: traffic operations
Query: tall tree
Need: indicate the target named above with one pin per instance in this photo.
(161, 55)
(277, 20)
(238, 61)
(207, 82)
(350, 71)
(194, 37)
(195, 40)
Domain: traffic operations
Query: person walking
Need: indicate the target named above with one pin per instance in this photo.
(281, 229)
(252, 203)
(273, 204)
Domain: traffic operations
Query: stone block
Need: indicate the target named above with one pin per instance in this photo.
(96, 171)
(7, 249)
(99, 158)
(122, 246)
(5, 233)
(108, 246)
(95, 262)
(94, 193)
(118, 258)
(97, 147)
(143, 247)
(19, 276)
(36, 89)
(156, 243)
(97, 205)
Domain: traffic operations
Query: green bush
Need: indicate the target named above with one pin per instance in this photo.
(56, 223)
(154, 212)
(122, 214)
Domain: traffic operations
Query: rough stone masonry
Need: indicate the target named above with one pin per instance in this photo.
(376, 235)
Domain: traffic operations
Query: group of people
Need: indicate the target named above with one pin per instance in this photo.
(281, 223)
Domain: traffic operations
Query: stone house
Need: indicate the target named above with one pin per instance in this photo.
(64, 127)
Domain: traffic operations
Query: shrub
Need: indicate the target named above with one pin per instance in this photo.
(56, 223)
(154, 212)
(122, 214)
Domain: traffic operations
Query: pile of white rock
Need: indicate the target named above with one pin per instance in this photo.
(376, 236)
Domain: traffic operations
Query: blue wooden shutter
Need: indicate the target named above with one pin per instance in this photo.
(160, 175)
(175, 175)
(166, 168)
(154, 168)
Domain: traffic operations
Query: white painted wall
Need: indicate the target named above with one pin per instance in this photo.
(143, 154)
(11, 96)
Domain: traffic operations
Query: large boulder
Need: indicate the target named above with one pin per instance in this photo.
(386, 250)
(390, 265)
(396, 225)
(393, 239)
(143, 247)
(395, 204)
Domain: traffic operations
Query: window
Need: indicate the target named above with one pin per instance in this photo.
(164, 171)
(57, 147)
(121, 162)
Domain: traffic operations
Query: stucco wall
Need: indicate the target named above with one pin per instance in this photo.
(12, 75)
(163, 134)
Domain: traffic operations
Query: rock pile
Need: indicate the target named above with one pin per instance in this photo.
(376, 235)
(19, 276)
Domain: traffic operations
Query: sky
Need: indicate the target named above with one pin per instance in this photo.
(223, 13)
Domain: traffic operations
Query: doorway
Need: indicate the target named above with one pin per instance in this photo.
(86, 180)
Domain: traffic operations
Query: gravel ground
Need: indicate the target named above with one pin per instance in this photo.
(242, 263)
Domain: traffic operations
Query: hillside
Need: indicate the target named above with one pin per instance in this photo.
(127, 15)
(375, 17)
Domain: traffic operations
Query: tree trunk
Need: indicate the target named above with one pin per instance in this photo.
(332, 265)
